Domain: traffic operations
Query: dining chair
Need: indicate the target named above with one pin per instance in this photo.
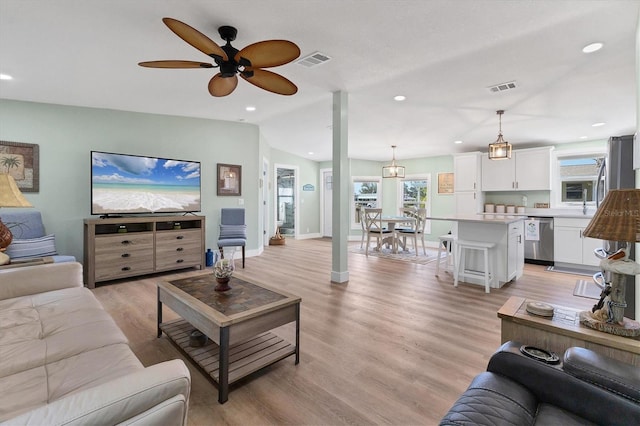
(411, 212)
(363, 224)
(373, 218)
(416, 231)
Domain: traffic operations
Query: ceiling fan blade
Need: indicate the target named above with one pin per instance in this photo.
(222, 86)
(269, 53)
(270, 81)
(175, 64)
(195, 38)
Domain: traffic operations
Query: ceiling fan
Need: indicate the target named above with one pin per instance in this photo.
(247, 62)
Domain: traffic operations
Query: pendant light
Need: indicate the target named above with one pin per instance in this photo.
(500, 149)
(393, 170)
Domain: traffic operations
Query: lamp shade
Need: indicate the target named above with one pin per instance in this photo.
(617, 218)
(10, 195)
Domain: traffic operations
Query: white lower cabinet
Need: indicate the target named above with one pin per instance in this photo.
(570, 246)
(515, 250)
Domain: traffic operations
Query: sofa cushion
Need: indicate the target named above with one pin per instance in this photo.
(32, 247)
(60, 341)
(549, 414)
(24, 223)
(26, 390)
(68, 321)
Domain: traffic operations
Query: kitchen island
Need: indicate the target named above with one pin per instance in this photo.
(505, 231)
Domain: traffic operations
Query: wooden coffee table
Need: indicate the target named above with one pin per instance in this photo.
(238, 323)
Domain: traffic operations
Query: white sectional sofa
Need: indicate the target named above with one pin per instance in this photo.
(63, 360)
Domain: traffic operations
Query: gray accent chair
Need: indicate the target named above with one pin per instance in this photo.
(233, 230)
(30, 241)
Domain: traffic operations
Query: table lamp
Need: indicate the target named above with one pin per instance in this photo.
(617, 219)
(10, 196)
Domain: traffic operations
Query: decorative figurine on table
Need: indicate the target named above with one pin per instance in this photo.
(617, 221)
(608, 314)
(223, 270)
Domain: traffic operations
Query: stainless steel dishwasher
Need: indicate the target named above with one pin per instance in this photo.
(540, 250)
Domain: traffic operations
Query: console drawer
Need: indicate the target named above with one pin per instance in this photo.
(123, 255)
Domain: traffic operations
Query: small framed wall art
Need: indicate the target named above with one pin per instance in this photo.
(229, 179)
(22, 162)
(445, 183)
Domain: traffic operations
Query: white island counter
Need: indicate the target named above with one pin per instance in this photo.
(506, 231)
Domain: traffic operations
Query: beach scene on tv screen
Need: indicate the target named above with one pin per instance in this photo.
(132, 184)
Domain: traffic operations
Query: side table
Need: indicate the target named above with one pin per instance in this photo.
(562, 331)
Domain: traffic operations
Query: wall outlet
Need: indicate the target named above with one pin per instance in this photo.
(241, 201)
(524, 201)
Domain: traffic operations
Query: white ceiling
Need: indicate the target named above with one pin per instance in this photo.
(441, 54)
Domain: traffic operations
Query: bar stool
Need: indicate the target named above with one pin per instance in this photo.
(449, 252)
(459, 261)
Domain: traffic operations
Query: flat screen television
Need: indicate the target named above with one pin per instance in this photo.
(134, 184)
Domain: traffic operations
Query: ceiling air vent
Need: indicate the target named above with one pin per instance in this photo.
(502, 87)
(313, 60)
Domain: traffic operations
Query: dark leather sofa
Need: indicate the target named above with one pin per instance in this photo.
(582, 388)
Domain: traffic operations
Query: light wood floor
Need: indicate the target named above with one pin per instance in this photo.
(395, 345)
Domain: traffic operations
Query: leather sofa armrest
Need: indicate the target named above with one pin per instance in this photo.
(551, 384)
(155, 395)
(608, 373)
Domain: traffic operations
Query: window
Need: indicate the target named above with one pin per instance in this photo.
(415, 192)
(365, 194)
(578, 176)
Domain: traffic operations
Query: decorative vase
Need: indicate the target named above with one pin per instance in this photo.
(222, 271)
(223, 284)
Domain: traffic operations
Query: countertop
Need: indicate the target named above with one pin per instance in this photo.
(549, 213)
(482, 218)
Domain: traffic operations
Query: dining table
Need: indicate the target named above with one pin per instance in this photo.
(391, 222)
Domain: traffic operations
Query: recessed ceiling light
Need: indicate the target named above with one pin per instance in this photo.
(457, 142)
(310, 152)
(598, 124)
(5, 77)
(593, 47)
(399, 98)
(250, 108)
(583, 137)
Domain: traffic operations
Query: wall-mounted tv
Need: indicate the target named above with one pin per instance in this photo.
(129, 184)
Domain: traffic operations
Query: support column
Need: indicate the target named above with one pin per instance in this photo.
(340, 213)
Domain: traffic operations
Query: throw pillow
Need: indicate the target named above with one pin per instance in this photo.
(32, 247)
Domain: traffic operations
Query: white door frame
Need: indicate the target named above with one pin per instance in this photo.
(296, 194)
(264, 185)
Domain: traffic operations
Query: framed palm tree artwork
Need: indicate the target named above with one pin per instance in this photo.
(22, 162)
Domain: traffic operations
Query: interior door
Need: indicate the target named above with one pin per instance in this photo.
(286, 200)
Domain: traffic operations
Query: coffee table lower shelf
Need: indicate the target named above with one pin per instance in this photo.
(244, 358)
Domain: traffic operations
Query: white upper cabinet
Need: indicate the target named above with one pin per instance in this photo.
(527, 170)
(466, 183)
(466, 172)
